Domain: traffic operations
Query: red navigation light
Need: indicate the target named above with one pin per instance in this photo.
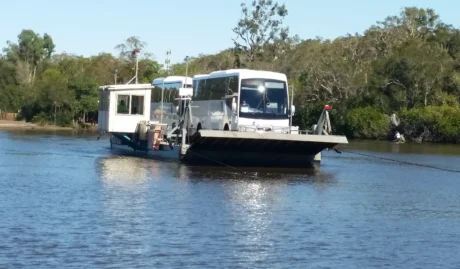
(327, 107)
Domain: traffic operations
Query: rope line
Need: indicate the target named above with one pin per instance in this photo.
(404, 162)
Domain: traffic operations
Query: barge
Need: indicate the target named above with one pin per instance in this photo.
(234, 117)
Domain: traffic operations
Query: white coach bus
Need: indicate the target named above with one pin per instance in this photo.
(241, 100)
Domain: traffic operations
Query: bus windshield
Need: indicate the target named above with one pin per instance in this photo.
(263, 99)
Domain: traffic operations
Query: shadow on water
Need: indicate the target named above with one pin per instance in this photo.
(204, 173)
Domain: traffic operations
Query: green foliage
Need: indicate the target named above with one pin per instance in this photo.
(48, 45)
(10, 94)
(367, 122)
(28, 53)
(53, 89)
(53, 96)
(150, 70)
(10, 98)
(307, 116)
(432, 123)
(61, 89)
(42, 118)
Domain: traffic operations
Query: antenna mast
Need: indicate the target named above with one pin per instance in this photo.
(167, 61)
(135, 53)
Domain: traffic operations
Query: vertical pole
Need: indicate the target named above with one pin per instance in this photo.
(115, 76)
(163, 86)
(54, 114)
(186, 70)
(292, 103)
(186, 81)
(161, 106)
(183, 133)
(137, 67)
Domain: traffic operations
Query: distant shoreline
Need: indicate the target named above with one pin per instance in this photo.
(22, 125)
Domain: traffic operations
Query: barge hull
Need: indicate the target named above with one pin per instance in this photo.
(258, 149)
(244, 149)
(248, 159)
(163, 155)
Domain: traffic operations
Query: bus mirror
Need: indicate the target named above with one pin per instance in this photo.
(234, 105)
(292, 110)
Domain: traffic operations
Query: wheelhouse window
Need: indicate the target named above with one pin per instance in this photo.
(130, 104)
(263, 98)
(137, 105)
(123, 104)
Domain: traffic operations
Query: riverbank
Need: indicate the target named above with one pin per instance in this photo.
(22, 125)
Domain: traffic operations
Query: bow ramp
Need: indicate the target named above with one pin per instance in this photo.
(258, 149)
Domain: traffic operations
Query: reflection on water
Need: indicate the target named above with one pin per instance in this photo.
(124, 171)
(253, 203)
(69, 202)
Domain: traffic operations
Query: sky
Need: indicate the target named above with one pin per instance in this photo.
(186, 27)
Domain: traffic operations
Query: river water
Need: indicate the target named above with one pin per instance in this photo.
(68, 202)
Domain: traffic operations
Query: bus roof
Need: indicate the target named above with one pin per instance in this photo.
(159, 81)
(243, 73)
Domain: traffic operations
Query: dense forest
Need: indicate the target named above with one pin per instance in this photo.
(403, 73)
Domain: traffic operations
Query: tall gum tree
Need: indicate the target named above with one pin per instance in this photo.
(259, 29)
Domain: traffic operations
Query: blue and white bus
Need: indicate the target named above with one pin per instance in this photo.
(241, 100)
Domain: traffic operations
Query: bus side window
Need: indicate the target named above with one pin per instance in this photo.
(207, 93)
(196, 87)
(201, 91)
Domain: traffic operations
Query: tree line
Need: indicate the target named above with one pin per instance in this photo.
(63, 88)
(403, 73)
